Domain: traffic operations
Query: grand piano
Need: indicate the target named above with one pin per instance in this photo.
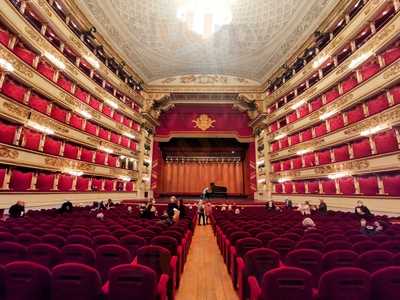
(217, 191)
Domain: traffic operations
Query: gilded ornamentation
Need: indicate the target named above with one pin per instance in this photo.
(16, 63)
(306, 145)
(16, 110)
(34, 35)
(68, 164)
(340, 167)
(44, 5)
(48, 122)
(203, 122)
(7, 152)
(392, 71)
(391, 116)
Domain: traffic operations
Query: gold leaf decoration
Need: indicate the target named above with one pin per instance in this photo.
(16, 110)
(68, 164)
(203, 122)
(7, 152)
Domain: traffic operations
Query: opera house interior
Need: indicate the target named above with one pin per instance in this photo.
(200, 150)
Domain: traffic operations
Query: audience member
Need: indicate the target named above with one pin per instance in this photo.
(237, 211)
(362, 211)
(182, 209)
(305, 208)
(208, 212)
(270, 205)
(230, 207)
(309, 224)
(172, 205)
(66, 207)
(204, 193)
(109, 204)
(17, 210)
(223, 207)
(322, 208)
(129, 209)
(288, 203)
(201, 212)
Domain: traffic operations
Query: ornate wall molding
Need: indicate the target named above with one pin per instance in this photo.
(6, 152)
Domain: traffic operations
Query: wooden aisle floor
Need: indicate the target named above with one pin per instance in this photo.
(205, 276)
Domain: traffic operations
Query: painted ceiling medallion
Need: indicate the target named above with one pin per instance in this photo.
(203, 122)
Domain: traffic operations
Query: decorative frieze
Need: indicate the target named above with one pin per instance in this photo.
(6, 152)
(64, 164)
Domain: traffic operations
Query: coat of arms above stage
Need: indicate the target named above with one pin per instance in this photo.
(203, 122)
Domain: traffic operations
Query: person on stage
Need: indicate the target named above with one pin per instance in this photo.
(204, 193)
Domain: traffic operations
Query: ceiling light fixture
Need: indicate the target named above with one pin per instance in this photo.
(6, 66)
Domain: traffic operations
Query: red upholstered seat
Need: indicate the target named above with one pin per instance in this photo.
(108, 185)
(391, 184)
(104, 133)
(46, 69)
(82, 184)
(4, 37)
(87, 155)
(31, 139)
(395, 91)
(100, 158)
(7, 133)
(76, 121)
(124, 141)
(58, 113)
(286, 165)
(292, 117)
(377, 104)
(112, 160)
(91, 128)
(65, 83)
(324, 157)
(368, 185)
(316, 104)
(303, 110)
(309, 160)
(65, 182)
(284, 142)
(107, 110)
(392, 54)
(294, 139)
(278, 188)
(328, 186)
(361, 148)
(355, 114)
(346, 185)
(130, 186)
(341, 153)
(20, 181)
(331, 95)
(3, 172)
(276, 166)
(25, 54)
(320, 129)
(81, 94)
(45, 182)
(313, 187)
(349, 83)
(297, 163)
(51, 146)
(369, 69)
(386, 142)
(115, 137)
(70, 151)
(300, 187)
(306, 135)
(13, 90)
(94, 103)
(336, 122)
(39, 103)
(288, 187)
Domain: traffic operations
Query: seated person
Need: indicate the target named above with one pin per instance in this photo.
(288, 204)
(270, 205)
(305, 208)
(308, 224)
(17, 210)
(205, 192)
(322, 208)
(66, 207)
(361, 210)
(109, 204)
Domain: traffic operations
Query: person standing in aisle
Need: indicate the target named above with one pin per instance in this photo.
(208, 212)
(201, 212)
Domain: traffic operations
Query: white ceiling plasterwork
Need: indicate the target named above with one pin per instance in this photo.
(164, 51)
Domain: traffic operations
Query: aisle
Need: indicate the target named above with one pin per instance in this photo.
(205, 276)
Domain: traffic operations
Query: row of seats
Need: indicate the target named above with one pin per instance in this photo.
(85, 247)
(259, 241)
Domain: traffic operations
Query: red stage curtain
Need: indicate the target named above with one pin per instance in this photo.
(193, 177)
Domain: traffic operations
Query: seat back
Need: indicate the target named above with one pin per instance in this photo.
(258, 261)
(11, 251)
(167, 242)
(27, 239)
(155, 257)
(345, 284)
(132, 282)
(364, 246)
(133, 242)
(374, 260)
(246, 244)
(54, 239)
(386, 283)
(79, 239)
(392, 246)
(286, 283)
(266, 237)
(79, 254)
(307, 259)
(27, 281)
(310, 244)
(105, 239)
(75, 281)
(108, 256)
(282, 245)
(338, 258)
(44, 254)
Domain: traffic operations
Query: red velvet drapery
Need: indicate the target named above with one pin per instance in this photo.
(193, 177)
